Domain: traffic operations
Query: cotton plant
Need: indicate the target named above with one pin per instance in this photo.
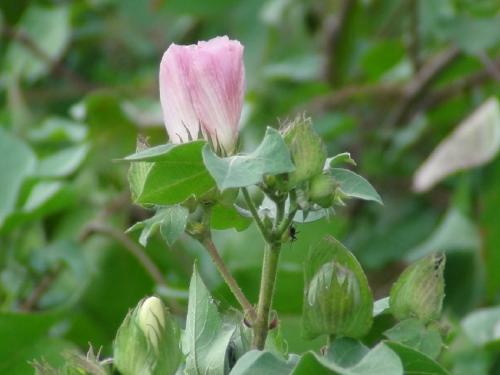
(200, 181)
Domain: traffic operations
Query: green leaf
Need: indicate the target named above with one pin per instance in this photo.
(415, 362)
(28, 340)
(16, 163)
(342, 158)
(413, 333)
(346, 352)
(381, 306)
(473, 35)
(337, 297)
(483, 326)
(49, 30)
(355, 186)
(261, 362)
(171, 221)
(381, 360)
(456, 232)
(271, 157)
(176, 173)
(62, 163)
(225, 217)
(173, 224)
(206, 339)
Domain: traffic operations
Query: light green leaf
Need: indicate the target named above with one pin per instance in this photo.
(346, 352)
(381, 360)
(62, 163)
(337, 298)
(415, 362)
(171, 221)
(271, 157)
(16, 163)
(344, 157)
(455, 233)
(354, 185)
(261, 362)
(176, 173)
(173, 224)
(474, 142)
(206, 338)
(49, 29)
(413, 333)
(58, 129)
(380, 306)
(483, 326)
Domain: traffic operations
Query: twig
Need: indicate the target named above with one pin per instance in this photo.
(490, 66)
(421, 83)
(229, 279)
(134, 249)
(414, 44)
(44, 285)
(335, 26)
(255, 214)
(58, 68)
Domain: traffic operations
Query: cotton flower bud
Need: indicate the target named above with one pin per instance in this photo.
(337, 298)
(334, 302)
(201, 92)
(147, 342)
(321, 190)
(306, 148)
(419, 291)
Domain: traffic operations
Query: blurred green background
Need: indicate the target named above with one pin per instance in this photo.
(386, 80)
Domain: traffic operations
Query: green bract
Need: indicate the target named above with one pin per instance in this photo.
(147, 341)
(337, 298)
(306, 148)
(419, 291)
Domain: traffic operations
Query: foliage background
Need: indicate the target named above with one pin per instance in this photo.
(386, 80)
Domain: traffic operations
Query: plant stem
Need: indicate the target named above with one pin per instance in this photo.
(255, 214)
(268, 281)
(228, 278)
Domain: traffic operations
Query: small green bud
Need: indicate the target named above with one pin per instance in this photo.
(419, 291)
(306, 148)
(147, 341)
(321, 190)
(337, 299)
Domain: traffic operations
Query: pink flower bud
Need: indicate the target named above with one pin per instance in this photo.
(201, 91)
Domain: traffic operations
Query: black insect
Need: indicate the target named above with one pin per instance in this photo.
(292, 232)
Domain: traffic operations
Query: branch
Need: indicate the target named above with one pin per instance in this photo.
(414, 43)
(419, 86)
(255, 214)
(229, 279)
(44, 285)
(56, 66)
(335, 26)
(135, 250)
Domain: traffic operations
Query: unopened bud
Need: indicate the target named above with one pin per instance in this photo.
(419, 291)
(306, 148)
(147, 341)
(337, 299)
(321, 190)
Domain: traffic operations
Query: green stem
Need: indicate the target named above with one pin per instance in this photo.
(267, 284)
(255, 214)
(228, 278)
